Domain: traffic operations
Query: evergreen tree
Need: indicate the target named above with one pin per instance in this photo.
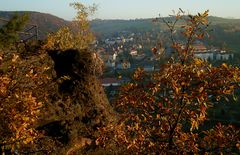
(9, 32)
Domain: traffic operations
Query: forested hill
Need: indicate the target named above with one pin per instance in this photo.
(106, 26)
(46, 22)
(224, 30)
(112, 26)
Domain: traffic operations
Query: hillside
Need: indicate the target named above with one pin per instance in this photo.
(225, 31)
(107, 27)
(113, 26)
(46, 22)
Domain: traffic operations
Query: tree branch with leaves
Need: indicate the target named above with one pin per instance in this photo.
(161, 112)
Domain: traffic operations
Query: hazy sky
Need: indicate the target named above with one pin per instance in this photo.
(126, 9)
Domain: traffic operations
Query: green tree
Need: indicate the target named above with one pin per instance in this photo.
(9, 32)
(161, 112)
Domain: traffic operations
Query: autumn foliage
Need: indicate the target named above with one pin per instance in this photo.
(77, 37)
(51, 101)
(164, 112)
(20, 105)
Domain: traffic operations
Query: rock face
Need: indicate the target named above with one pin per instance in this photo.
(79, 106)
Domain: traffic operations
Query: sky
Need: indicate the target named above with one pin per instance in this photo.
(126, 9)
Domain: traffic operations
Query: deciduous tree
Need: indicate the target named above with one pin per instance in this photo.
(161, 112)
(78, 35)
(25, 84)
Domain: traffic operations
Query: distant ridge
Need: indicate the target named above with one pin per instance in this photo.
(46, 23)
(226, 29)
(112, 26)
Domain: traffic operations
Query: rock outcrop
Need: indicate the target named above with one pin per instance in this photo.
(79, 106)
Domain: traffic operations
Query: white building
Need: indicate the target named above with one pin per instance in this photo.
(134, 52)
(205, 55)
(214, 55)
(106, 82)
